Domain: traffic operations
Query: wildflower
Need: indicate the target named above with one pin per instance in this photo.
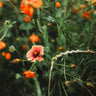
(88, 51)
(26, 6)
(27, 10)
(18, 76)
(2, 45)
(86, 15)
(89, 84)
(67, 83)
(27, 19)
(36, 3)
(35, 53)
(73, 66)
(8, 56)
(7, 22)
(12, 48)
(16, 60)
(76, 10)
(58, 5)
(34, 38)
(60, 48)
(24, 47)
(29, 74)
(49, 24)
(82, 6)
(1, 4)
(3, 53)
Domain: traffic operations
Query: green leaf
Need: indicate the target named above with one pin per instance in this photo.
(91, 17)
(26, 26)
(68, 14)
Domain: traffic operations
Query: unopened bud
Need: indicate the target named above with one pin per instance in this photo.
(11, 48)
(54, 59)
(67, 83)
(18, 76)
(60, 48)
(73, 66)
(7, 22)
(16, 60)
(89, 84)
(88, 51)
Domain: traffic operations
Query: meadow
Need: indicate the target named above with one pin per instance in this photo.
(47, 48)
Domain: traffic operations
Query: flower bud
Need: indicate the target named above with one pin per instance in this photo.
(7, 22)
(12, 48)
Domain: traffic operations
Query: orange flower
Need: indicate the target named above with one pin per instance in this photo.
(60, 48)
(35, 53)
(8, 56)
(76, 10)
(2, 45)
(26, 6)
(1, 4)
(36, 3)
(24, 47)
(34, 38)
(82, 6)
(58, 5)
(27, 10)
(3, 53)
(87, 15)
(16, 60)
(73, 66)
(29, 74)
(88, 51)
(27, 19)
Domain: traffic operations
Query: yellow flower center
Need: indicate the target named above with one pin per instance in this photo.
(36, 54)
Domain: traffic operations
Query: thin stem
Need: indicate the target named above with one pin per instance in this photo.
(18, 53)
(65, 71)
(64, 88)
(4, 34)
(32, 66)
(51, 68)
(59, 87)
(62, 65)
(38, 15)
(37, 87)
(13, 6)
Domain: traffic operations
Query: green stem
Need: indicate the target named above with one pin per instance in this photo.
(32, 66)
(37, 87)
(64, 88)
(65, 71)
(5, 32)
(13, 6)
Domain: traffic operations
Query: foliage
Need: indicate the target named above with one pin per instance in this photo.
(68, 36)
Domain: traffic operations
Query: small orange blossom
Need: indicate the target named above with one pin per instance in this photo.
(3, 53)
(27, 19)
(29, 74)
(58, 5)
(2, 45)
(8, 56)
(34, 38)
(1, 4)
